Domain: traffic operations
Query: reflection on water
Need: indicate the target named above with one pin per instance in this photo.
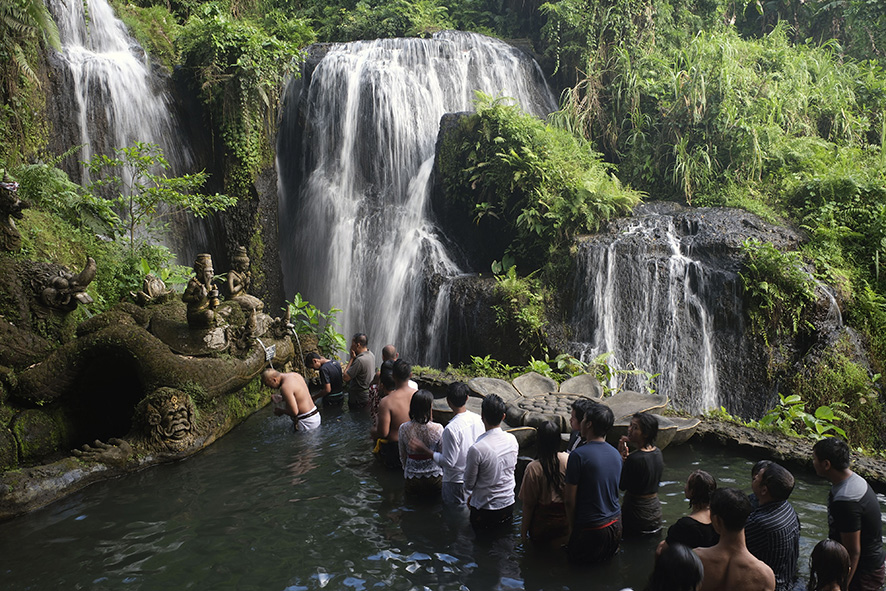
(267, 509)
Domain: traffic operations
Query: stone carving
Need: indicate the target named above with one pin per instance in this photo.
(10, 207)
(153, 291)
(201, 295)
(165, 420)
(239, 281)
(59, 289)
(114, 453)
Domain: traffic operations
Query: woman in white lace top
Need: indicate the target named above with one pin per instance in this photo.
(423, 475)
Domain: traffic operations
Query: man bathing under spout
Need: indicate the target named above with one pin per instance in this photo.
(296, 397)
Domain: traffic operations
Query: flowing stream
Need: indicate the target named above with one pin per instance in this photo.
(355, 159)
(265, 509)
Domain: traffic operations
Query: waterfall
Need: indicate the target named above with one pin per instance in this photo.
(657, 302)
(115, 99)
(355, 158)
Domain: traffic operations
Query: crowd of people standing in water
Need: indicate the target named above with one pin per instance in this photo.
(570, 499)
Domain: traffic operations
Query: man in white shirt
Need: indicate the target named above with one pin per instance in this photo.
(489, 470)
(460, 434)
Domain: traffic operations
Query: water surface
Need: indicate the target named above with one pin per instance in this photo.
(267, 509)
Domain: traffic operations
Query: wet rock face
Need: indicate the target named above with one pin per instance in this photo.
(661, 291)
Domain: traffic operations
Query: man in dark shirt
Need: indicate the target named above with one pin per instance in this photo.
(772, 532)
(359, 372)
(853, 515)
(591, 491)
(331, 382)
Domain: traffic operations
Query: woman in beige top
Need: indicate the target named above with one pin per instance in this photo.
(544, 515)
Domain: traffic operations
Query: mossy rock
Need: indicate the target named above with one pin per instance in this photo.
(585, 385)
(8, 450)
(38, 434)
(486, 386)
(534, 384)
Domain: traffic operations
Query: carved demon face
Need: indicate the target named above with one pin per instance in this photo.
(168, 419)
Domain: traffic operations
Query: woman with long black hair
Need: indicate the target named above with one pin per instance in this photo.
(544, 514)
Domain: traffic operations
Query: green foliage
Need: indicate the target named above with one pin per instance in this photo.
(141, 191)
(521, 306)
(606, 374)
(790, 418)
(840, 383)
(692, 118)
(492, 368)
(50, 189)
(778, 290)
(239, 69)
(308, 319)
(154, 27)
(382, 19)
(171, 275)
(536, 184)
(25, 25)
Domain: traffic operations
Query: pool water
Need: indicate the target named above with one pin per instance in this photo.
(266, 509)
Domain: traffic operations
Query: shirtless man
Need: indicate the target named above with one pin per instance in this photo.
(393, 411)
(296, 398)
(729, 566)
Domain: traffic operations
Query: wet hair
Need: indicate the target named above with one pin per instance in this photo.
(492, 410)
(549, 442)
(732, 507)
(648, 426)
(700, 486)
(829, 563)
(778, 480)
(600, 417)
(387, 380)
(457, 394)
(677, 568)
(420, 407)
(833, 450)
(360, 339)
(402, 371)
(309, 358)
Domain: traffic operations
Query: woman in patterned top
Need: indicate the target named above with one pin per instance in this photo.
(423, 475)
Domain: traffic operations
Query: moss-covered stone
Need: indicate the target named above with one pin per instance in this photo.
(8, 450)
(38, 434)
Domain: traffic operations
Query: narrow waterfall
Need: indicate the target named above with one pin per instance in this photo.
(113, 97)
(355, 157)
(659, 302)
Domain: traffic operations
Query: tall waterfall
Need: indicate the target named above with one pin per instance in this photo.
(659, 301)
(355, 232)
(114, 98)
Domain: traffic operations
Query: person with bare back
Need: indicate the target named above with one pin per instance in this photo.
(393, 411)
(729, 566)
(294, 398)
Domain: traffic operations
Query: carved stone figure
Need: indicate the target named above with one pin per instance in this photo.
(59, 289)
(153, 291)
(10, 207)
(239, 280)
(201, 295)
(165, 419)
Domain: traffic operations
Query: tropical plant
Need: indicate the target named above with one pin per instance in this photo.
(778, 289)
(136, 183)
(790, 417)
(308, 319)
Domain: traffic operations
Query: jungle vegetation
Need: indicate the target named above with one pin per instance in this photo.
(775, 107)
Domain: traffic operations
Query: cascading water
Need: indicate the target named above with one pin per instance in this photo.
(659, 302)
(354, 180)
(116, 98)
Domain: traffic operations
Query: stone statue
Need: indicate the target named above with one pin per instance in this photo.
(58, 288)
(153, 291)
(239, 280)
(201, 295)
(10, 207)
(165, 420)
